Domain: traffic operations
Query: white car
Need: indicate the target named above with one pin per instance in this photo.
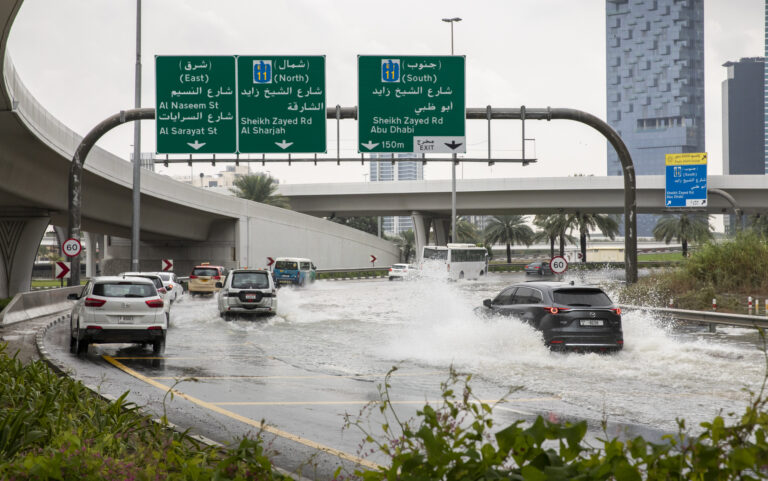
(172, 285)
(247, 291)
(401, 271)
(158, 282)
(118, 309)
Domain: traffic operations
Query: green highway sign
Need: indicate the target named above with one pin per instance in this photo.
(411, 104)
(281, 104)
(195, 104)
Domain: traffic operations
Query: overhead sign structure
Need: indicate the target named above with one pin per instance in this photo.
(411, 104)
(167, 265)
(195, 104)
(61, 270)
(686, 184)
(558, 264)
(281, 104)
(71, 247)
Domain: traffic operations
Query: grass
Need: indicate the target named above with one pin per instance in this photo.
(53, 282)
(660, 256)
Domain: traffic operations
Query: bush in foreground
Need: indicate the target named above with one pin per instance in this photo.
(54, 428)
(457, 440)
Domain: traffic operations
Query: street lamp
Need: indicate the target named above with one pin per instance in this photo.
(453, 163)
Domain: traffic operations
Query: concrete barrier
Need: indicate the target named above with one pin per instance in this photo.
(34, 304)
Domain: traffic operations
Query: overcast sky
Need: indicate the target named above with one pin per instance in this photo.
(78, 58)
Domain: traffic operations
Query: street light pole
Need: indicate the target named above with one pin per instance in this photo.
(136, 218)
(453, 164)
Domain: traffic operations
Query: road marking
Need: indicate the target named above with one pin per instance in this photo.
(314, 376)
(243, 419)
(420, 402)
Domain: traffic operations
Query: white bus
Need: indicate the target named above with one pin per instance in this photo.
(457, 261)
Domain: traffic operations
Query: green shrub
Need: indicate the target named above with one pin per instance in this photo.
(457, 440)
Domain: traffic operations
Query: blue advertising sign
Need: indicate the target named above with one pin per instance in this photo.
(686, 184)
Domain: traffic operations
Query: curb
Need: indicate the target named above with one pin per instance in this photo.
(61, 371)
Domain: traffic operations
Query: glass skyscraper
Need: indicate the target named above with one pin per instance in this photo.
(384, 171)
(655, 82)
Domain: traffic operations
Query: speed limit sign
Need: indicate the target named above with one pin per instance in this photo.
(558, 264)
(71, 247)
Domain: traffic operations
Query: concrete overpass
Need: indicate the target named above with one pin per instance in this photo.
(179, 221)
(525, 195)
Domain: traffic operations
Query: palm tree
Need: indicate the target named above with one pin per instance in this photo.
(260, 188)
(466, 231)
(583, 223)
(759, 223)
(684, 228)
(508, 229)
(405, 242)
(553, 227)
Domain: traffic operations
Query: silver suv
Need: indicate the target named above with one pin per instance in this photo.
(247, 291)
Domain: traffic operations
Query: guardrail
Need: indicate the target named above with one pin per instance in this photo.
(32, 304)
(707, 317)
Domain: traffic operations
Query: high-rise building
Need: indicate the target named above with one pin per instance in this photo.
(743, 117)
(655, 82)
(386, 170)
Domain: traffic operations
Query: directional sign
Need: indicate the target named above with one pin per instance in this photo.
(411, 104)
(686, 184)
(373, 259)
(167, 265)
(71, 247)
(281, 104)
(558, 264)
(270, 261)
(195, 104)
(61, 270)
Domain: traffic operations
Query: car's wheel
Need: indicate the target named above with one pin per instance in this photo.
(482, 273)
(73, 344)
(81, 346)
(391, 278)
(461, 275)
(226, 316)
(158, 346)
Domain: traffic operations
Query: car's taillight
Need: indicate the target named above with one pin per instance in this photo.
(162, 290)
(556, 310)
(617, 311)
(170, 287)
(193, 277)
(155, 303)
(91, 302)
(93, 327)
(217, 277)
(555, 342)
(155, 328)
(390, 269)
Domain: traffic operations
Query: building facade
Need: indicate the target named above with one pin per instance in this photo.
(743, 117)
(655, 83)
(388, 171)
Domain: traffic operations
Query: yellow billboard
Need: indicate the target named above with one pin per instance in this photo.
(698, 158)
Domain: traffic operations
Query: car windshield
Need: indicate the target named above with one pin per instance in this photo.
(165, 277)
(305, 266)
(582, 297)
(286, 265)
(400, 266)
(435, 254)
(124, 289)
(205, 271)
(250, 280)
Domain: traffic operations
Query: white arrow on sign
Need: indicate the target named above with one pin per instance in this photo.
(61, 270)
(370, 145)
(283, 145)
(196, 145)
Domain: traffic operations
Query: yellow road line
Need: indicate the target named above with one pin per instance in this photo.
(331, 403)
(243, 419)
(315, 376)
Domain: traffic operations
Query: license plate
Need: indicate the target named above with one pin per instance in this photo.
(125, 319)
(591, 322)
(250, 297)
(203, 280)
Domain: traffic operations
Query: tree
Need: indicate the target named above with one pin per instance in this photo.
(759, 223)
(260, 188)
(406, 242)
(509, 230)
(366, 224)
(554, 227)
(466, 231)
(583, 223)
(684, 228)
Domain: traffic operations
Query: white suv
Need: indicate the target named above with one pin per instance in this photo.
(401, 271)
(118, 310)
(159, 285)
(247, 291)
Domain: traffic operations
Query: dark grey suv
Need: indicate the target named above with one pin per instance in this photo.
(570, 317)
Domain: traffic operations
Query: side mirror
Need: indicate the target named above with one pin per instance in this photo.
(73, 297)
(487, 303)
(219, 285)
